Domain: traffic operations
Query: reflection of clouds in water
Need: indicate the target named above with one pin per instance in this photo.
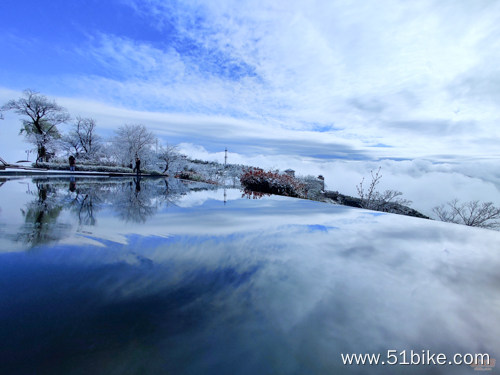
(276, 283)
(198, 198)
(358, 288)
(129, 301)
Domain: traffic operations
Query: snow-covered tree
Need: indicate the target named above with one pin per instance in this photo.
(313, 186)
(82, 140)
(41, 118)
(374, 200)
(131, 141)
(70, 145)
(169, 158)
(473, 213)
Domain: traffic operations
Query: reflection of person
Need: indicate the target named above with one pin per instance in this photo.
(72, 163)
(137, 167)
(137, 185)
(72, 185)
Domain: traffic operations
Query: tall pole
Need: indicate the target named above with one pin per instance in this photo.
(225, 159)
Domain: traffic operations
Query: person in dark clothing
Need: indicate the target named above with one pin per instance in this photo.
(72, 163)
(137, 167)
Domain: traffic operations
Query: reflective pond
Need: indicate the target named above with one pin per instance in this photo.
(118, 276)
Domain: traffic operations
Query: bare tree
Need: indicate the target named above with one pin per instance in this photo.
(374, 200)
(85, 131)
(472, 213)
(71, 144)
(367, 197)
(169, 155)
(131, 141)
(83, 140)
(42, 116)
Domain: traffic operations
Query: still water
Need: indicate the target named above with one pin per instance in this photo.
(117, 276)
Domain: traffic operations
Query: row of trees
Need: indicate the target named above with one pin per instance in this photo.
(42, 117)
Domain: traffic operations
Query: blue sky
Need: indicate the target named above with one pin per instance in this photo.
(411, 86)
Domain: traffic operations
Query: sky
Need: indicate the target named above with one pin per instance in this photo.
(331, 87)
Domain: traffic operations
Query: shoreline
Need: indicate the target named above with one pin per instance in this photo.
(327, 196)
(52, 172)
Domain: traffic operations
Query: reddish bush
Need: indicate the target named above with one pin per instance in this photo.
(271, 183)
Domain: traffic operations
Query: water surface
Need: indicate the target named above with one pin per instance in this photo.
(118, 276)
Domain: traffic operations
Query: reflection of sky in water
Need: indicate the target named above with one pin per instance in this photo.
(270, 286)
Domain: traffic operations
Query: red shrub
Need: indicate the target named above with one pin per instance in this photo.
(272, 183)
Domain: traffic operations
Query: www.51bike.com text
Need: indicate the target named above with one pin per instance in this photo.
(419, 357)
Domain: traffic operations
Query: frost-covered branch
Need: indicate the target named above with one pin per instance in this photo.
(374, 200)
(472, 213)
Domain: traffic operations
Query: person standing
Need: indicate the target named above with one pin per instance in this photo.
(137, 167)
(72, 163)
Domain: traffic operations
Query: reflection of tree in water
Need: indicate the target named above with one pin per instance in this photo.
(135, 201)
(41, 216)
(86, 201)
(250, 194)
(139, 199)
(172, 190)
(132, 200)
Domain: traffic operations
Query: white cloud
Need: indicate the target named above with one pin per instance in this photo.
(359, 70)
(262, 78)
